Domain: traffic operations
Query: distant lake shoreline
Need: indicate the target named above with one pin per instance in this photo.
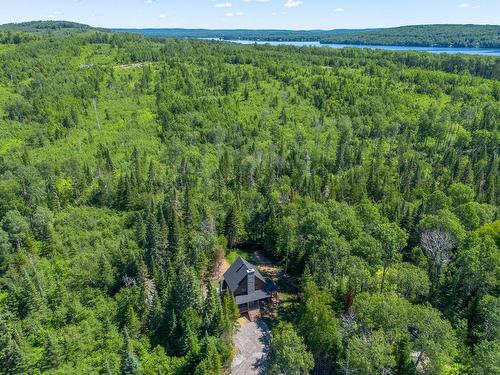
(449, 50)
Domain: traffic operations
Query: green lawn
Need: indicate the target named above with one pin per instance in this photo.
(233, 254)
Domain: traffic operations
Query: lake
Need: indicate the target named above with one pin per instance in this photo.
(466, 51)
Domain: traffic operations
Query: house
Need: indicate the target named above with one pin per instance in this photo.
(249, 288)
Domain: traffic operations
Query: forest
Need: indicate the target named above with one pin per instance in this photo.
(130, 165)
(457, 36)
(242, 34)
(468, 36)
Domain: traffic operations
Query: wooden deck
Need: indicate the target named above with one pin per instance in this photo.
(254, 314)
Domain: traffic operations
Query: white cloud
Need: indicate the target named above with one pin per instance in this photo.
(163, 16)
(338, 9)
(465, 5)
(148, 1)
(293, 3)
(236, 14)
(223, 5)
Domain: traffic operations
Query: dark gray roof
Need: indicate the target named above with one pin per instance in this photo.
(255, 296)
(238, 271)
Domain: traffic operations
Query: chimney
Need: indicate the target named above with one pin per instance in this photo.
(250, 281)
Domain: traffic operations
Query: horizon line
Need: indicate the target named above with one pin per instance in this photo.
(252, 29)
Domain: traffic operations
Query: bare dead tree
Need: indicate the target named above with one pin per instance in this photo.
(437, 244)
(349, 322)
(128, 281)
(94, 105)
(149, 292)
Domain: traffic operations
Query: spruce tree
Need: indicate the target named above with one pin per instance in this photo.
(140, 230)
(132, 322)
(129, 364)
(151, 177)
(230, 313)
(51, 357)
(210, 362)
(212, 311)
(176, 238)
(11, 355)
(151, 238)
(104, 273)
(188, 290)
(162, 248)
(235, 227)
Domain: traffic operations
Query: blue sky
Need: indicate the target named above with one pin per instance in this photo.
(286, 14)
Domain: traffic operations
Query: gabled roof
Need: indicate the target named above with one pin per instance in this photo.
(238, 271)
(255, 296)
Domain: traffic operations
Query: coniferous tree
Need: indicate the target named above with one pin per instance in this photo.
(230, 313)
(151, 177)
(11, 356)
(189, 295)
(176, 237)
(235, 227)
(212, 311)
(162, 243)
(105, 271)
(51, 358)
(151, 238)
(129, 364)
(209, 358)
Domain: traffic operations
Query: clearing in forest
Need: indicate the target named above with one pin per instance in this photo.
(252, 343)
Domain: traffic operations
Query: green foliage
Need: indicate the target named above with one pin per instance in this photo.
(16, 227)
(129, 364)
(369, 355)
(486, 358)
(51, 358)
(127, 164)
(395, 320)
(319, 326)
(426, 35)
(287, 353)
(422, 35)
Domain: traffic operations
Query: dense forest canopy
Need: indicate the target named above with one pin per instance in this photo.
(472, 36)
(128, 165)
(242, 34)
(42, 26)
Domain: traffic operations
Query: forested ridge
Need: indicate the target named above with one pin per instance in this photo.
(470, 36)
(458, 36)
(243, 34)
(129, 165)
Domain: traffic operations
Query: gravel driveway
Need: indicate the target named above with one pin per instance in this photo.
(252, 343)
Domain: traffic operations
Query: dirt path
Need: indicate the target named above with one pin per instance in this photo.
(266, 265)
(252, 344)
(269, 269)
(131, 66)
(220, 269)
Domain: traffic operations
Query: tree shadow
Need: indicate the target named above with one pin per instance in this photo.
(265, 339)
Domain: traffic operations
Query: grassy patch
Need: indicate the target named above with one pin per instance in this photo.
(233, 254)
